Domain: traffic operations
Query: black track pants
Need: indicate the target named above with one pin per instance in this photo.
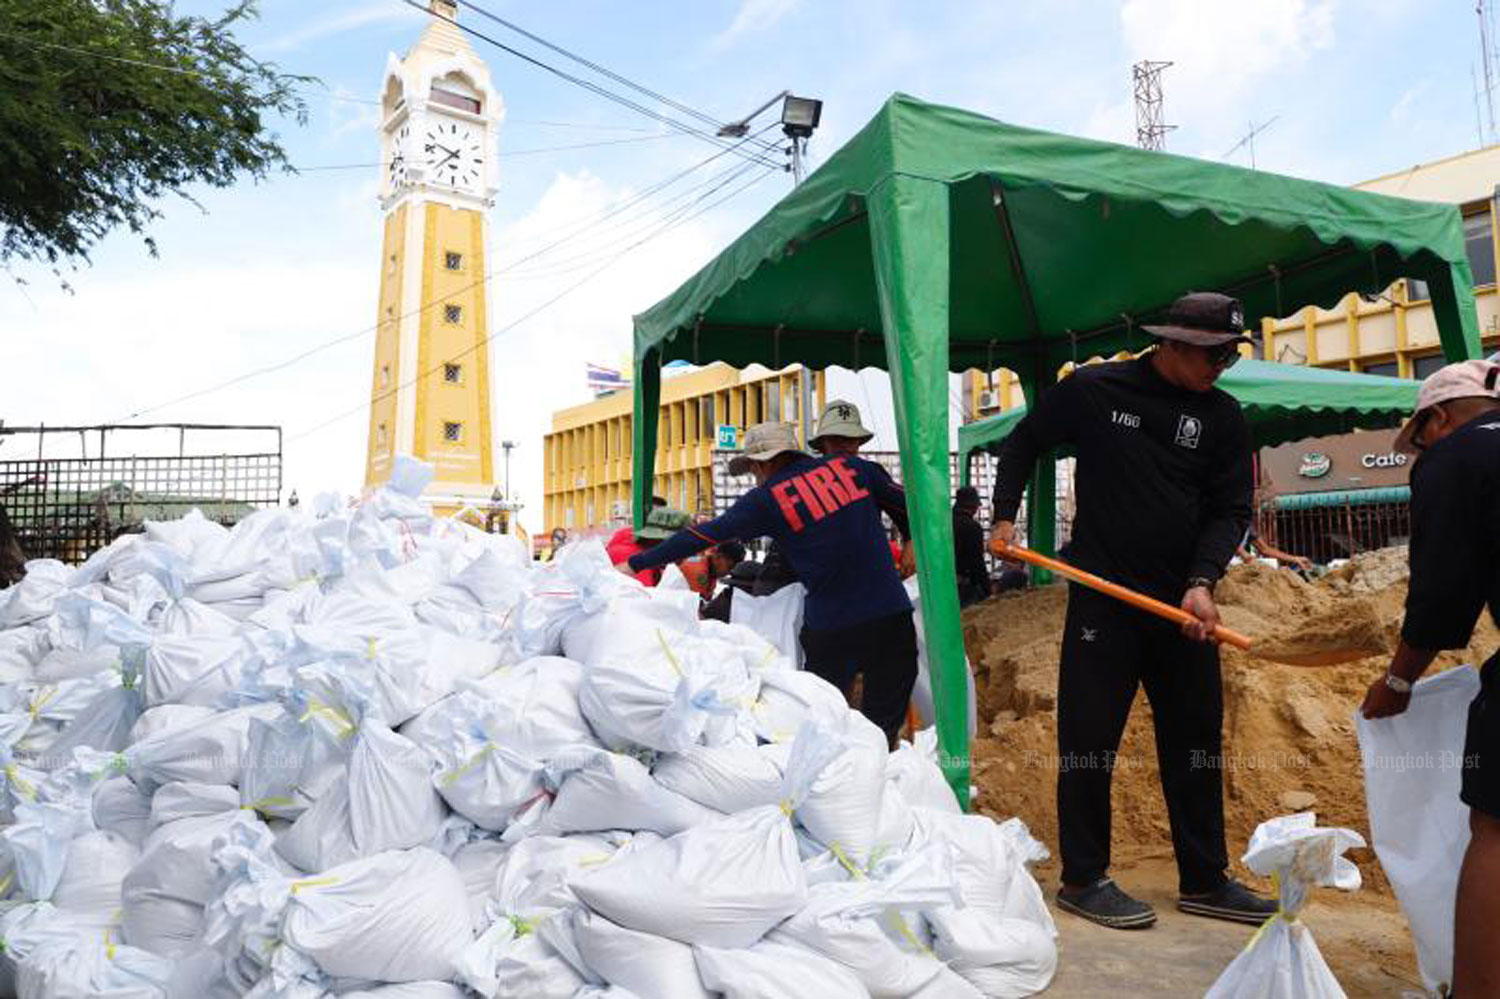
(884, 650)
(1108, 650)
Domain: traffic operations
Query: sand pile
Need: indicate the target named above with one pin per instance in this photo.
(1289, 740)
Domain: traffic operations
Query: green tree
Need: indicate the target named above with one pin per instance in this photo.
(106, 106)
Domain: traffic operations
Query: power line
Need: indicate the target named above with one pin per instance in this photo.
(364, 406)
(602, 70)
(607, 214)
(591, 86)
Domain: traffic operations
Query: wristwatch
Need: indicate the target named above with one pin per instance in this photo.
(1203, 581)
(1397, 684)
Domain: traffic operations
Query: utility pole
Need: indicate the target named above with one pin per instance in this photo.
(1150, 128)
(507, 446)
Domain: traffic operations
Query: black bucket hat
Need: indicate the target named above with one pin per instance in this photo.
(1205, 319)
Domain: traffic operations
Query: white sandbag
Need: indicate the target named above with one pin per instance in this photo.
(1003, 957)
(121, 807)
(723, 883)
(912, 771)
(38, 842)
(726, 778)
(409, 990)
(776, 617)
(392, 804)
(163, 717)
(844, 804)
(921, 694)
(400, 916)
(630, 627)
(35, 596)
(90, 883)
(858, 924)
(210, 751)
(645, 964)
(1418, 825)
(196, 669)
(614, 791)
(1282, 960)
(287, 766)
(480, 773)
(164, 894)
(510, 959)
(479, 863)
(103, 724)
(992, 862)
(688, 692)
(789, 699)
(200, 975)
(57, 957)
(580, 581)
(189, 800)
(533, 706)
(770, 970)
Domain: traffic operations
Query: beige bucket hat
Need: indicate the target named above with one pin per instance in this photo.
(1460, 380)
(763, 442)
(839, 419)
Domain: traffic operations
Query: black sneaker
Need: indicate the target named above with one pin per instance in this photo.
(1232, 901)
(1104, 903)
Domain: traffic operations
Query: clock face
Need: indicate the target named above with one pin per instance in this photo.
(397, 166)
(454, 153)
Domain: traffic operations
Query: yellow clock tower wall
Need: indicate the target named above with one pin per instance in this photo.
(430, 394)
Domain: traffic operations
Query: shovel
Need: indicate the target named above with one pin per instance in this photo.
(1227, 636)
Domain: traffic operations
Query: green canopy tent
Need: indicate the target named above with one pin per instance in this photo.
(1282, 402)
(939, 240)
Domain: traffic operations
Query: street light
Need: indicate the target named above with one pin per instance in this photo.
(799, 118)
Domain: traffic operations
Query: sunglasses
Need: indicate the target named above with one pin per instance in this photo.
(1419, 427)
(1225, 355)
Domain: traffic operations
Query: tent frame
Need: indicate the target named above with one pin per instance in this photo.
(893, 178)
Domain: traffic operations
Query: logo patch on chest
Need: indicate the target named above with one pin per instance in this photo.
(1189, 431)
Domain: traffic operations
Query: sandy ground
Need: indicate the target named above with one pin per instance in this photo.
(1289, 744)
(1362, 936)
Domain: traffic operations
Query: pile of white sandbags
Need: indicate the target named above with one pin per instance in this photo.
(364, 752)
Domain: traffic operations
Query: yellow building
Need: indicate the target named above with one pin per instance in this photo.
(430, 391)
(1391, 334)
(586, 457)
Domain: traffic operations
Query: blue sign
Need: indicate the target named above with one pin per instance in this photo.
(729, 438)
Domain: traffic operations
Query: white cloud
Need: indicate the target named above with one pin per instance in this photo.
(753, 16)
(1224, 53)
(338, 23)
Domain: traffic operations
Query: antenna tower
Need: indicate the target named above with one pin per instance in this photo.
(1484, 96)
(1150, 130)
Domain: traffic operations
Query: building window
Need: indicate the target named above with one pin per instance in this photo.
(1480, 246)
(450, 99)
(453, 261)
(1390, 369)
(453, 374)
(773, 400)
(380, 435)
(453, 433)
(1421, 367)
(710, 425)
(453, 313)
(385, 376)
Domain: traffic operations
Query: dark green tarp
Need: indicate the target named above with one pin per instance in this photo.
(939, 240)
(1283, 402)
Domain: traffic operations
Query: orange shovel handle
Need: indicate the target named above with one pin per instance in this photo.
(1129, 596)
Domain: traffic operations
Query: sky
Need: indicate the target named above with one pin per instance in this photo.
(258, 274)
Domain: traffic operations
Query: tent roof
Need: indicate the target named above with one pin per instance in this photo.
(1283, 402)
(1060, 248)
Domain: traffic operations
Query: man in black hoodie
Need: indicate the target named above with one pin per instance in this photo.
(1164, 483)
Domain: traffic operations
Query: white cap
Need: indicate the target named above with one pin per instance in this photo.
(1461, 380)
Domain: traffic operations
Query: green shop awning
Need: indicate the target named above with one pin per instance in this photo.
(1345, 497)
(1282, 402)
(938, 240)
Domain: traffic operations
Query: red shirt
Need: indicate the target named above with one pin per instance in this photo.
(623, 545)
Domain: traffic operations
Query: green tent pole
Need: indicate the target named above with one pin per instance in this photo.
(1041, 492)
(964, 472)
(909, 234)
(1453, 307)
(643, 429)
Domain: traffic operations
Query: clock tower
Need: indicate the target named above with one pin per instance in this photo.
(430, 394)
